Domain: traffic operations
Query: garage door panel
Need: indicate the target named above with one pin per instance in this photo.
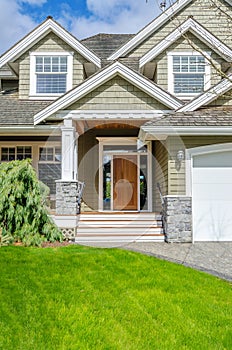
(213, 221)
(212, 192)
(212, 197)
(212, 175)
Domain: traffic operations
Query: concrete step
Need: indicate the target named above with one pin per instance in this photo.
(119, 239)
(119, 223)
(115, 230)
(103, 217)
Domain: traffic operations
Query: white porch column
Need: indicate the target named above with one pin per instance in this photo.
(69, 151)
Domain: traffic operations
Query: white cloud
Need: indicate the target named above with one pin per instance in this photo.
(14, 24)
(105, 16)
(33, 2)
(114, 16)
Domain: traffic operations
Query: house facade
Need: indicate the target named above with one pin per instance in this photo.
(144, 121)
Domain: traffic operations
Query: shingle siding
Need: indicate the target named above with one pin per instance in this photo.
(216, 20)
(176, 177)
(48, 173)
(50, 43)
(117, 94)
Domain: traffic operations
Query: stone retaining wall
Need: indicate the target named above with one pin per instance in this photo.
(177, 218)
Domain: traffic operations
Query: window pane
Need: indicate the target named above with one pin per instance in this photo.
(51, 83)
(4, 158)
(184, 68)
(27, 149)
(176, 59)
(188, 83)
(58, 154)
(55, 60)
(5, 150)
(184, 60)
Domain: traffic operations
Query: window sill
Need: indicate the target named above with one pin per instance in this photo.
(45, 97)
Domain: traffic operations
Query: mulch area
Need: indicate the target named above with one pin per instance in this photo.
(55, 244)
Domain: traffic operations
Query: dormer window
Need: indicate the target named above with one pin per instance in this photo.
(188, 74)
(51, 74)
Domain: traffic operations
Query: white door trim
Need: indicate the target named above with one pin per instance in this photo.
(124, 141)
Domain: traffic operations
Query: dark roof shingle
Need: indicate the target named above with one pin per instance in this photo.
(105, 44)
(19, 112)
(210, 117)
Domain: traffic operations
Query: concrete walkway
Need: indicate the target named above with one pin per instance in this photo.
(211, 257)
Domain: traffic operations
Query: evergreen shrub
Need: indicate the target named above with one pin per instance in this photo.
(23, 213)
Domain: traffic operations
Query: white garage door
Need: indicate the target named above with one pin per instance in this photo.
(212, 196)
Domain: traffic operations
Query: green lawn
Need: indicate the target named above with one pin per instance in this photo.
(85, 298)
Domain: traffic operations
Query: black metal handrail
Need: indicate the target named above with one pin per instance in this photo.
(80, 194)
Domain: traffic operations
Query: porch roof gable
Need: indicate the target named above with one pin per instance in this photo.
(100, 78)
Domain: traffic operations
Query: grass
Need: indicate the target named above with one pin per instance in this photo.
(85, 298)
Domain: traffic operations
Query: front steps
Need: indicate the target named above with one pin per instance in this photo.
(119, 227)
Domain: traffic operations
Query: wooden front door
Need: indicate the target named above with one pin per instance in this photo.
(125, 182)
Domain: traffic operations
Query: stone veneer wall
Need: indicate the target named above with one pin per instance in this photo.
(177, 219)
(67, 196)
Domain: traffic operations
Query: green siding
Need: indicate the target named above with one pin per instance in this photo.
(50, 43)
(181, 45)
(176, 177)
(117, 94)
(160, 174)
(88, 159)
(216, 20)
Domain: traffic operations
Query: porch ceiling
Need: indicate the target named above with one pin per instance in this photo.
(83, 126)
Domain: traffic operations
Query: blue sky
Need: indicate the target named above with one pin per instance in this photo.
(82, 18)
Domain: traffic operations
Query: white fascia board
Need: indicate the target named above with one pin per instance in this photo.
(99, 79)
(40, 32)
(200, 32)
(30, 130)
(186, 131)
(150, 28)
(209, 96)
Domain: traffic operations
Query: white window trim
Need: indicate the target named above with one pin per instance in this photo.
(54, 153)
(15, 146)
(207, 73)
(33, 55)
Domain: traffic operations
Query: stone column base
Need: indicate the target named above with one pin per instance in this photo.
(67, 195)
(177, 219)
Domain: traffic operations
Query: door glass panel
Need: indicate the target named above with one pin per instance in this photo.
(143, 183)
(124, 186)
(107, 182)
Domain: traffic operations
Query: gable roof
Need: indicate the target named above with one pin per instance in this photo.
(39, 32)
(210, 121)
(105, 44)
(153, 26)
(199, 31)
(100, 78)
(210, 95)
